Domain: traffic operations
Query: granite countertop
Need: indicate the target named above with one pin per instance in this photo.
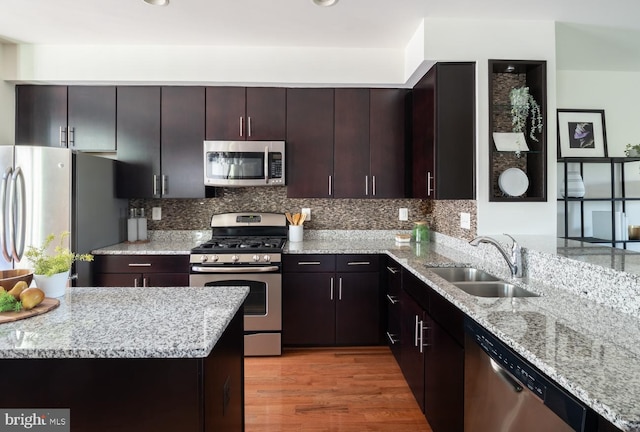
(178, 322)
(589, 347)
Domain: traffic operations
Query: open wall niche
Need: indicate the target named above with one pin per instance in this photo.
(505, 75)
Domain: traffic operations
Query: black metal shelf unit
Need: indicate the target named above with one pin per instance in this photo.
(612, 162)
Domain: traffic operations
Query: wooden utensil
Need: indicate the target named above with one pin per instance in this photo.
(288, 216)
(296, 218)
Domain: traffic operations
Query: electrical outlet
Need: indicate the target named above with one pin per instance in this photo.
(156, 213)
(307, 212)
(465, 220)
(403, 214)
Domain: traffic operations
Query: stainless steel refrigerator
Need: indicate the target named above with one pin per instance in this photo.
(48, 190)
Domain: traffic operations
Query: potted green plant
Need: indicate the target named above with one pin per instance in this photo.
(632, 150)
(51, 268)
(524, 105)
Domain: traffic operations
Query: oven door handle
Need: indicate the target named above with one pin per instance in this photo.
(264, 269)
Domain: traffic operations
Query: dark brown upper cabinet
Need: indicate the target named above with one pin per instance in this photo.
(251, 113)
(78, 117)
(309, 142)
(351, 144)
(504, 76)
(443, 138)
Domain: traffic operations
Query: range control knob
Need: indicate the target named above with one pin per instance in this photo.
(256, 258)
(235, 258)
(204, 258)
(267, 258)
(214, 258)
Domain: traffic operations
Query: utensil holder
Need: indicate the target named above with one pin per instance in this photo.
(295, 233)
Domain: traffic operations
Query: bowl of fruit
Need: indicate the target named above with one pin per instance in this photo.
(9, 278)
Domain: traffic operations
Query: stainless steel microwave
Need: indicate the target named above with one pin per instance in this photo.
(244, 163)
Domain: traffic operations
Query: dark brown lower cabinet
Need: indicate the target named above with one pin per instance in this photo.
(326, 302)
(138, 395)
(140, 270)
(432, 354)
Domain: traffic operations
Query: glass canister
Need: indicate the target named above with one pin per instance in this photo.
(420, 233)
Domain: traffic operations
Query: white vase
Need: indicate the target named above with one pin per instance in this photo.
(575, 185)
(52, 286)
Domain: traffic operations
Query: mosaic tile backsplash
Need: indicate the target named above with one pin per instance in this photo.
(326, 214)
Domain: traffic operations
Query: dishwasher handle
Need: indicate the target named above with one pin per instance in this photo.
(505, 376)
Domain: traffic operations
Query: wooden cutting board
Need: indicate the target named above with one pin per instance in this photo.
(44, 307)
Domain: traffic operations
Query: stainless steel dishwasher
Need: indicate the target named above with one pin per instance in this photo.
(504, 393)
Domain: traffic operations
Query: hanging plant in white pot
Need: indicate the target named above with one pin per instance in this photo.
(523, 106)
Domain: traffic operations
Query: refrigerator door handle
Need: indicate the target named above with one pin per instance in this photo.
(18, 195)
(5, 222)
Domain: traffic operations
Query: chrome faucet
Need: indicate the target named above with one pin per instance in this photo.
(514, 260)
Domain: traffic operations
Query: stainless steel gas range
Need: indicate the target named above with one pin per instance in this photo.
(246, 250)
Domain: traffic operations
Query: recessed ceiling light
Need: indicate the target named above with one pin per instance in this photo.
(325, 3)
(157, 2)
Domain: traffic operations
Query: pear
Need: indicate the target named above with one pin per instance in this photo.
(18, 288)
(31, 297)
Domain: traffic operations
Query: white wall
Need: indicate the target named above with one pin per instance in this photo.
(207, 65)
(473, 40)
(7, 98)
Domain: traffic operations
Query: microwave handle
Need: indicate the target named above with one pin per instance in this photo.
(266, 165)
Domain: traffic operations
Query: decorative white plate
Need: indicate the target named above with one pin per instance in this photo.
(513, 182)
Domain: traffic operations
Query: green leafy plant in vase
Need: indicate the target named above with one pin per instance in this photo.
(52, 267)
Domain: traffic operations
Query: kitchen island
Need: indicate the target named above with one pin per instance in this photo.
(149, 359)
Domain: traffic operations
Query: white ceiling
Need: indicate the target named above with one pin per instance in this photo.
(350, 23)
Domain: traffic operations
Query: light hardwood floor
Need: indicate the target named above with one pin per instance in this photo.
(336, 389)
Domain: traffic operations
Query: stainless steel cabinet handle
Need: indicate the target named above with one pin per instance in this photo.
(422, 330)
(392, 270)
(135, 283)
(366, 185)
(309, 263)
(331, 295)
(140, 265)
(266, 160)
(155, 185)
(330, 186)
(72, 136)
(357, 263)
(392, 299)
(163, 184)
(373, 185)
(63, 140)
(429, 179)
(340, 289)
(144, 282)
(248, 126)
(391, 338)
(241, 125)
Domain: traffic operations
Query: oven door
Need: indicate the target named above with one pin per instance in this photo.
(263, 305)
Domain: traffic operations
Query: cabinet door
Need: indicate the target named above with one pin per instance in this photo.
(387, 143)
(351, 144)
(225, 113)
(266, 114)
(138, 142)
(309, 142)
(412, 359)
(182, 134)
(117, 279)
(455, 131)
(423, 138)
(308, 309)
(444, 379)
(41, 115)
(92, 118)
(165, 279)
(358, 309)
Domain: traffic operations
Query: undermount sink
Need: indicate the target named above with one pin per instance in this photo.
(479, 283)
(462, 274)
(494, 289)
